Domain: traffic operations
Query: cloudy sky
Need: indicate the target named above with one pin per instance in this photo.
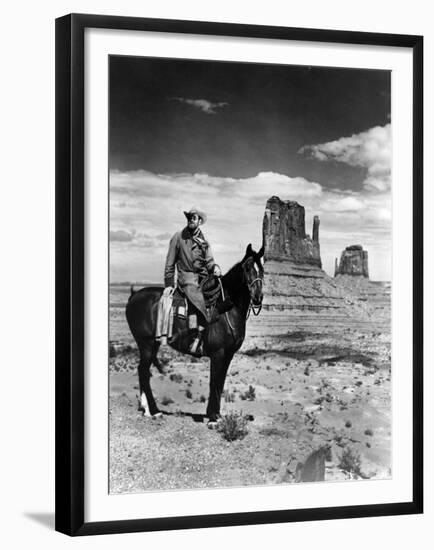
(227, 136)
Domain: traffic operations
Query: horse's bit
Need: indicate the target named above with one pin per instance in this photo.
(256, 309)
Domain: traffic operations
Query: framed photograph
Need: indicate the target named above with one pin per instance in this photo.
(238, 274)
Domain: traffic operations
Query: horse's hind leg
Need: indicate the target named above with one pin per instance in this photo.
(147, 401)
(155, 360)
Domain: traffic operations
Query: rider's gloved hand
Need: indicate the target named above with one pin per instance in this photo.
(217, 271)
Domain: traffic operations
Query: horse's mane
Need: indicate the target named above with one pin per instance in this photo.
(233, 278)
(235, 287)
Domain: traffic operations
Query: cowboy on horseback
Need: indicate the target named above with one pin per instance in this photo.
(191, 254)
(240, 288)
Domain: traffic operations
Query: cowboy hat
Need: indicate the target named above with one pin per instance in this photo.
(195, 210)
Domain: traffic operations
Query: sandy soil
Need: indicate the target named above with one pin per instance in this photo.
(315, 381)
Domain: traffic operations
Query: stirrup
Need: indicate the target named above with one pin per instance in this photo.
(196, 348)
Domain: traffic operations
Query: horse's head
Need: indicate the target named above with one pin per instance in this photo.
(253, 272)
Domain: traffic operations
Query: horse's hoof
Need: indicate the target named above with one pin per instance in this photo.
(213, 423)
(158, 414)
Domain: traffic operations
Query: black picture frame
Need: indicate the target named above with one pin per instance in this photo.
(70, 284)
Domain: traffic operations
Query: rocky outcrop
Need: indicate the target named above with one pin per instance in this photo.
(293, 277)
(285, 235)
(352, 275)
(354, 261)
(294, 281)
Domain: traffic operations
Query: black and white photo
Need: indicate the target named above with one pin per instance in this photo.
(239, 189)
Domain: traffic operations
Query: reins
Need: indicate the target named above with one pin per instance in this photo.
(226, 313)
(256, 309)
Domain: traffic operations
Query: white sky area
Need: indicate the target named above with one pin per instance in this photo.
(146, 209)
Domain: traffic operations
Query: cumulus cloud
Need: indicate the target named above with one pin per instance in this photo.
(207, 107)
(153, 205)
(371, 150)
(121, 236)
(141, 183)
(346, 204)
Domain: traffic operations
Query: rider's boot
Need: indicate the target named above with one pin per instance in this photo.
(196, 347)
(194, 334)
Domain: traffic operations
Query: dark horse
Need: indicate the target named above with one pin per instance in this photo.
(222, 338)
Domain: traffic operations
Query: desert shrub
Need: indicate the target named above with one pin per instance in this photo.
(348, 424)
(202, 398)
(233, 426)
(249, 395)
(324, 383)
(176, 378)
(188, 394)
(350, 461)
(368, 431)
(166, 400)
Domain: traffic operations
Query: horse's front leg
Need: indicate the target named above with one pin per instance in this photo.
(219, 367)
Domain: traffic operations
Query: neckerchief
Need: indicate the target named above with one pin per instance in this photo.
(199, 242)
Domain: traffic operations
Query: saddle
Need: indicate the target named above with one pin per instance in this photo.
(173, 309)
(211, 290)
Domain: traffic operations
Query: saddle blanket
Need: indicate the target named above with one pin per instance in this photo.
(170, 305)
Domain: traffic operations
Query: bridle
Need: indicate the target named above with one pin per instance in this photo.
(256, 309)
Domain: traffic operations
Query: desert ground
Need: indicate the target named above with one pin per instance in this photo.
(300, 383)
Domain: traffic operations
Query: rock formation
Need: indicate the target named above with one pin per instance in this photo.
(293, 278)
(285, 234)
(352, 274)
(354, 261)
(294, 281)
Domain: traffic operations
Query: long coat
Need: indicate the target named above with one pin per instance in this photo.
(192, 263)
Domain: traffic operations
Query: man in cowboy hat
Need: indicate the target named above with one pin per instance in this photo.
(190, 253)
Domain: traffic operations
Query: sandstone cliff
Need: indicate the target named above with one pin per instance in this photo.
(285, 234)
(293, 276)
(354, 261)
(294, 280)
